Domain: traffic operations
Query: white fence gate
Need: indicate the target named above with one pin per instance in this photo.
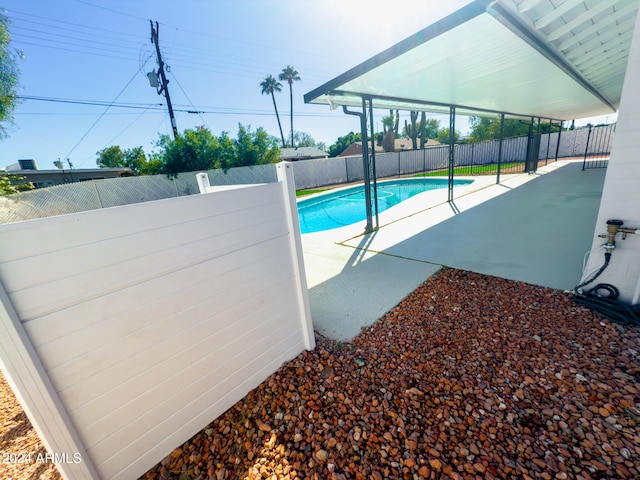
(124, 331)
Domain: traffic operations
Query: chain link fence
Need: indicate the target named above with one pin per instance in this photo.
(95, 194)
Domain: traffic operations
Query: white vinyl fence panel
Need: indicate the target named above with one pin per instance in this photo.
(141, 324)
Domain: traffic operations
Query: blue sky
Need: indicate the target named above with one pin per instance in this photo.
(83, 55)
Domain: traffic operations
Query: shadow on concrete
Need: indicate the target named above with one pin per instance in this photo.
(536, 233)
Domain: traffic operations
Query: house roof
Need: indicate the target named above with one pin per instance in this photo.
(399, 144)
(519, 57)
(302, 153)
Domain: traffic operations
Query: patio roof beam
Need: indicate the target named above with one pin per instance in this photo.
(425, 104)
(521, 29)
(554, 14)
(622, 16)
(527, 5)
(579, 20)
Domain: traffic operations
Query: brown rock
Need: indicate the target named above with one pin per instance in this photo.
(322, 455)
(479, 467)
(265, 427)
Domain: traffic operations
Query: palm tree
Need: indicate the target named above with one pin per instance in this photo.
(290, 74)
(270, 85)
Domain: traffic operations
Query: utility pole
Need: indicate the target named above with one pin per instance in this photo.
(163, 90)
(70, 169)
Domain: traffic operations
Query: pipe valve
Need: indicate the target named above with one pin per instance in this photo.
(614, 227)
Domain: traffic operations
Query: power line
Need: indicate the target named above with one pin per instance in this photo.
(182, 108)
(187, 50)
(100, 117)
(195, 110)
(90, 102)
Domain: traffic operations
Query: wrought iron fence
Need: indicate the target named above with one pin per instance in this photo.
(598, 146)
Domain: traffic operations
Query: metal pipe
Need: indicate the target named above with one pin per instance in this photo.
(365, 164)
(500, 146)
(452, 139)
(373, 159)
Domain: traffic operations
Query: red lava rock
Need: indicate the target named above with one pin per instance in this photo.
(410, 463)
(479, 467)
(451, 383)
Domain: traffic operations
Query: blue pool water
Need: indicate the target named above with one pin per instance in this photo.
(344, 207)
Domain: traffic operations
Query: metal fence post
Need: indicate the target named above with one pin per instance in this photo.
(586, 148)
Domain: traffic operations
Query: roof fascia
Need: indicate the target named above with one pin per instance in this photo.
(457, 18)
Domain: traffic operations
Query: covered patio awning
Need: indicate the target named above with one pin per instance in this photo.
(552, 59)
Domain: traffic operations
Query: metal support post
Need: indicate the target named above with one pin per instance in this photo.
(558, 144)
(374, 175)
(452, 141)
(500, 147)
(365, 163)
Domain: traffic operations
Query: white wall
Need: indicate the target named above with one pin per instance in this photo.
(621, 192)
(150, 320)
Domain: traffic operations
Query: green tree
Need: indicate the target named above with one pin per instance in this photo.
(270, 85)
(290, 74)
(110, 157)
(11, 183)
(135, 159)
(254, 148)
(132, 158)
(304, 139)
(9, 74)
(153, 165)
(484, 128)
(343, 142)
(431, 128)
(198, 149)
(445, 137)
(195, 149)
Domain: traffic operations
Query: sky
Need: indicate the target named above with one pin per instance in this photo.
(83, 77)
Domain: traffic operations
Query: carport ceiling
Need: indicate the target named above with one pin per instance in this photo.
(558, 59)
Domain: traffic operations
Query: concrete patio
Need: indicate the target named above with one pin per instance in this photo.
(532, 228)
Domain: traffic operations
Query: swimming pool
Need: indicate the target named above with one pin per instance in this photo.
(344, 207)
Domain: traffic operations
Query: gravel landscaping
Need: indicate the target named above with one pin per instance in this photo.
(469, 377)
(21, 451)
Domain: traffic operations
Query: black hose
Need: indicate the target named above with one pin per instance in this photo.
(607, 258)
(603, 299)
(608, 306)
